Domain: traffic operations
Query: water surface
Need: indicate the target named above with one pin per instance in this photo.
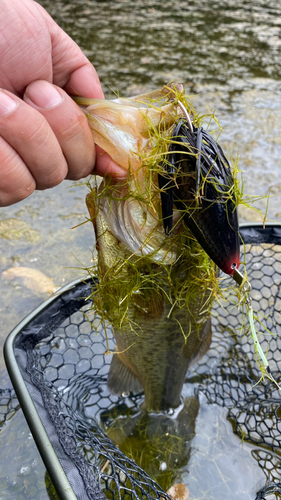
(227, 53)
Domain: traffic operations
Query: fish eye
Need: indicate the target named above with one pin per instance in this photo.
(234, 265)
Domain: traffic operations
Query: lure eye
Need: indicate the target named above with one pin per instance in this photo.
(234, 266)
(231, 266)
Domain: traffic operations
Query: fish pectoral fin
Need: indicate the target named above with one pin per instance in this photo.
(91, 201)
(120, 379)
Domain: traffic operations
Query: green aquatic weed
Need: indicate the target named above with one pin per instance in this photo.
(135, 279)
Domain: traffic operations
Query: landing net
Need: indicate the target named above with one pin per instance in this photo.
(60, 358)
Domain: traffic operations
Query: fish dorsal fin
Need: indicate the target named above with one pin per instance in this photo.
(121, 379)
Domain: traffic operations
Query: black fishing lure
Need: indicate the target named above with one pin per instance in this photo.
(197, 179)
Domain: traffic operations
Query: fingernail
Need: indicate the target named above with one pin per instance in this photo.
(7, 104)
(120, 173)
(43, 94)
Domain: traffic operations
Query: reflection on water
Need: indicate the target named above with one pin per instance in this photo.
(194, 445)
(227, 52)
(225, 43)
(22, 473)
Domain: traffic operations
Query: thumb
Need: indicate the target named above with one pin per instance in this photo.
(72, 71)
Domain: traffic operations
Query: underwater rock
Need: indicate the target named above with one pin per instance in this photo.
(32, 279)
(178, 492)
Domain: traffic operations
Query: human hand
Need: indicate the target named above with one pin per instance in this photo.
(44, 136)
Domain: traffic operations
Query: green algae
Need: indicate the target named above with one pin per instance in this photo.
(15, 229)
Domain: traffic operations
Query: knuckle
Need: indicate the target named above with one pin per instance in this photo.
(16, 181)
(40, 134)
(78, 146)
(79, 170)
(75, 128)
(52, 170)
(52, 176)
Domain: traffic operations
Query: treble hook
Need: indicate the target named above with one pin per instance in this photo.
(238, 277)
(198, 143)
(186, 115)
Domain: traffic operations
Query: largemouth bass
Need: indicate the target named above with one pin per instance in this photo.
(155, 289)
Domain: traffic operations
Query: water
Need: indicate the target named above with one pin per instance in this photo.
(227, 53)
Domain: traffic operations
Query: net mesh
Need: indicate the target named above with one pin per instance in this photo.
(63, 362)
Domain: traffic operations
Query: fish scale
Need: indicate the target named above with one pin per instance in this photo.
(156, 291)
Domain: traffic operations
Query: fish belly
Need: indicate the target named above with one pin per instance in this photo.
(156, 357)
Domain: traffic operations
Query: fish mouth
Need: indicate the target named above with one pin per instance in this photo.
(196, 178)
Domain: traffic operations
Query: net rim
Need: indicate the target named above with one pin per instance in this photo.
(43, 443)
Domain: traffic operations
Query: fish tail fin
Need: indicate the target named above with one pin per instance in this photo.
(121, 379)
